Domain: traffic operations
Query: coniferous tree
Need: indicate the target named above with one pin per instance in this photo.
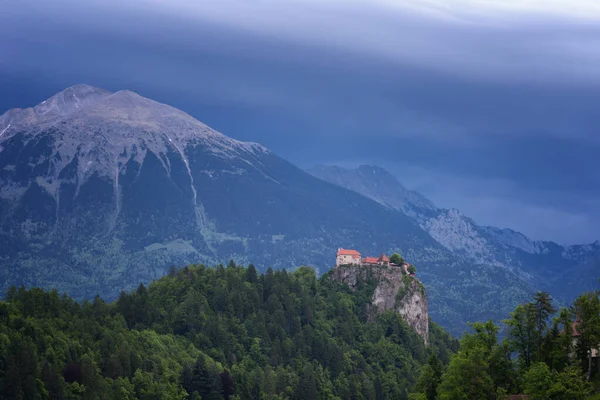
(430, 377)
(543, 309)
(587, 310)
(523, 337)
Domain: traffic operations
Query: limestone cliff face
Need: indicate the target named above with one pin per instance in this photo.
(394, 291)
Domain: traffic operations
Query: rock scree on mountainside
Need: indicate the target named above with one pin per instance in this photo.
(394, 290)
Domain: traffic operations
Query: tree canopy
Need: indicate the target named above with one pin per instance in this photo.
(213, 333)
(541, 356)
(396, 258)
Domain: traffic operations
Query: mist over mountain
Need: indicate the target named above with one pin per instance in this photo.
(563, 270)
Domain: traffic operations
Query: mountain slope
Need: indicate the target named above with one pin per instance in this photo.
(377, 184)
(100, 191)
(90, 176)
(564, 271)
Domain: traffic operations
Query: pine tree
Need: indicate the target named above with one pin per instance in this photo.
(587, 309)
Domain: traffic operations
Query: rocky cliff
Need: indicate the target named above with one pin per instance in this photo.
(395, 290)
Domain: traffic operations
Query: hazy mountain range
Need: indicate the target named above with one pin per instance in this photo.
(563, 270)
(100, 190)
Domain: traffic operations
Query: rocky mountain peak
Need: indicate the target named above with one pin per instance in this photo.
(70, 100)
(103, 130)
(85, 134)
(378, 173)
(52, 110)
(96, 112)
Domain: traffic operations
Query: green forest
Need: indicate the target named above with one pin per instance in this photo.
(212, 333)
(546, 355)
(231, 333)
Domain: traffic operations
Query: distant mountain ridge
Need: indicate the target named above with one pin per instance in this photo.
(546, 265)
(100, 191)
(378, 184)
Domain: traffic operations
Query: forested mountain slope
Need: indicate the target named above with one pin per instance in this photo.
(224, 332)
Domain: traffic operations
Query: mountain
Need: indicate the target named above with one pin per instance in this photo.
(377, 184)
(100, 191)
(114, 187)
(565, 271)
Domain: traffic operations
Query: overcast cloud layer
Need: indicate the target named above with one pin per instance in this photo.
(490, 107)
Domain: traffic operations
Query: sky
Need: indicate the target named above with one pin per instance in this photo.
(488, 106)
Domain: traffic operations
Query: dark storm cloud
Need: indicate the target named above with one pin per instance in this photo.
(494, 113)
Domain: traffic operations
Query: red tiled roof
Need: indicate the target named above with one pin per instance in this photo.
(383, 258)
(370, 260)
(345, 252)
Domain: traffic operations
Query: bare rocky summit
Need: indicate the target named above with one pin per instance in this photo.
(105, 130)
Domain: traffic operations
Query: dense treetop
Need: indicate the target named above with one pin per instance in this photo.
(547, 355)
(213, 333)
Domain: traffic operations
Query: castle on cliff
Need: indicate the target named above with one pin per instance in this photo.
(353, 257)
